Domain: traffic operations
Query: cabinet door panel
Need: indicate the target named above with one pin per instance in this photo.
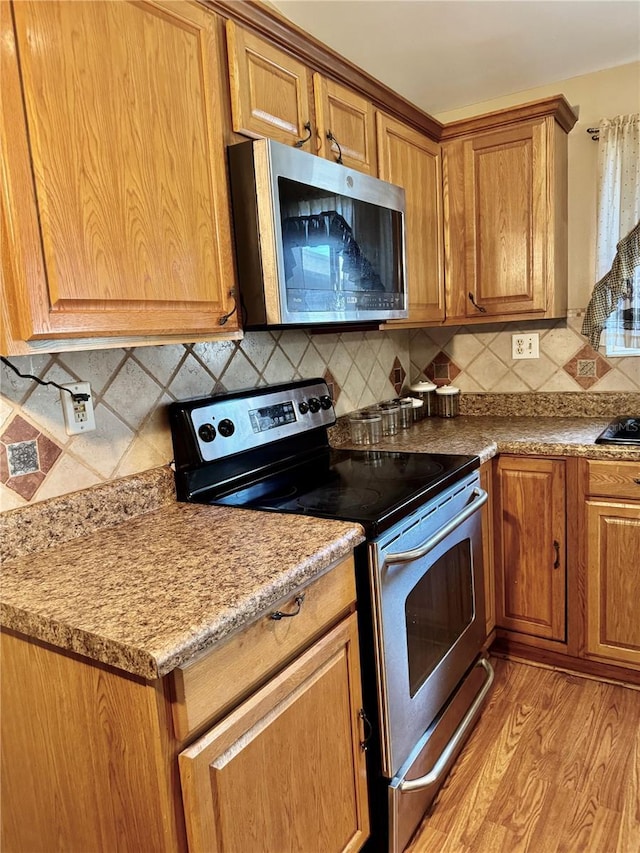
(270, 90)
(350, 119)
(411, 160)
(297, 742)
(613, 580)
(531, 578)
(128, 193)
(504, 198)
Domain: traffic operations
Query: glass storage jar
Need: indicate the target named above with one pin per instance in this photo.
(405, 405)
(448, 401)
(366, 427)
(390, 414)
(425, 391)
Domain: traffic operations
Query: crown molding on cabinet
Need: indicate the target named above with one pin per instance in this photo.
(556, 106)
(269, 24)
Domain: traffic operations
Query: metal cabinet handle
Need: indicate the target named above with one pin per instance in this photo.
(430, 544)
(480, 308)
(301, 142)
(367, 730)
(278, 614)
(636, 480)
(458, 736)
(222, 320)
(556, 547)
(332, 138)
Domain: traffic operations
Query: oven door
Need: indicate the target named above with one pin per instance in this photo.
(427, 591)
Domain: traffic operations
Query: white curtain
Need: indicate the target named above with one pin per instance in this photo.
(618, 213)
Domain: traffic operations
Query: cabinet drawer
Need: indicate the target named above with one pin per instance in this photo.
(211, 685)
(614, 479)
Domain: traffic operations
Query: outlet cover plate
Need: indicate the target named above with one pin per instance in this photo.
(525, 345)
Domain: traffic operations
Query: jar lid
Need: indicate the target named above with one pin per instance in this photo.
(364, 416)
(417, 404)
(422, 387)
(389, 405)
(447, 390)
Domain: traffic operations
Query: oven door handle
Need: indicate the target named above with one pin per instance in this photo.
(419, 552)
(440, 767)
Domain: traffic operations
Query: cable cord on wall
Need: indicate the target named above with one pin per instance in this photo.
(79, 397)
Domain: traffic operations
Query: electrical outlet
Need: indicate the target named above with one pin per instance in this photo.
(525, 346)
(78, 414)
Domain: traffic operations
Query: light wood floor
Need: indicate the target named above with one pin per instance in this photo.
(553, 766)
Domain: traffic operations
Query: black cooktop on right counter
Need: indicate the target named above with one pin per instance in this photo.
(623, 430)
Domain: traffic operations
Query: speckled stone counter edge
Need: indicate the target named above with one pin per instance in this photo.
(580, 404)
(33, 528)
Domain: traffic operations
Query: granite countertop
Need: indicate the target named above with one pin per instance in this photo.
(486, 436)
(124, 575)
(147, 594)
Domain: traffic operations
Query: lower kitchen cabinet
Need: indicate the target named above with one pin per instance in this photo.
(530, 522)
(285, 770)
(253, 746)
(613, 562)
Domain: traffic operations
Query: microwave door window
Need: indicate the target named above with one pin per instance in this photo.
(338, 255)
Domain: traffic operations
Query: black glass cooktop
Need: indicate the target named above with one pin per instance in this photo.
(370, 487)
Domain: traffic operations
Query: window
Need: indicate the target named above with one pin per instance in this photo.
(618, 214)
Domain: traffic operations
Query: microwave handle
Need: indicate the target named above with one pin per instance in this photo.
(456, 739)
(419, 552)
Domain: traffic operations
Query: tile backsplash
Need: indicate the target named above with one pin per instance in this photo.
(131, 388)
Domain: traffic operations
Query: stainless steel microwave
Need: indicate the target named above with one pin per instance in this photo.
(316, 243)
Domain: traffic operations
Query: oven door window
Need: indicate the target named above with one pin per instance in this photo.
(437, 611)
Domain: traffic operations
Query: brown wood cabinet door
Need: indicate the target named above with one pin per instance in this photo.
(350, 119)
(411, 160)
(270, 90)
(613, 581)
(498, 221)
(117, 204)
(285, 770)
(530, 546)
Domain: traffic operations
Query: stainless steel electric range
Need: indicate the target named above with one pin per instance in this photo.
(419, 575)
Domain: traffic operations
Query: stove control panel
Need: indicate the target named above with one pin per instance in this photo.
(226, 424)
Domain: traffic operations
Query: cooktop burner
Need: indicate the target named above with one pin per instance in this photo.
(372, 488)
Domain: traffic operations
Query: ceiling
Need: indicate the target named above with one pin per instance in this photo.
(445, 54)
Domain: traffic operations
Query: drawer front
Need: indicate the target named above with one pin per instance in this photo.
(211, 685)
(614, 479)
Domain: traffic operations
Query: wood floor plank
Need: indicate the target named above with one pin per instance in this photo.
(553, 766)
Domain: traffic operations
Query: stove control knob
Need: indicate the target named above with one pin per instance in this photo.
(304, 407)
(207, 432)
(226, 428)
(314, 405)
(326, 402)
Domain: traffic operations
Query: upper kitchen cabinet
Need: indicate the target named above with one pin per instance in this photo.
(346, 125)
(115, 203)
(505, 213)
(270, 90)
(275, 95)
(412, 160)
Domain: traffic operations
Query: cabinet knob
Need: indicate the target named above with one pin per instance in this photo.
(556, 547)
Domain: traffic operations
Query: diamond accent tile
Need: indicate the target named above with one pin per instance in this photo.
(332, 385)
(442, 370)
(587, 367)
(397, 375)
(26, 457)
